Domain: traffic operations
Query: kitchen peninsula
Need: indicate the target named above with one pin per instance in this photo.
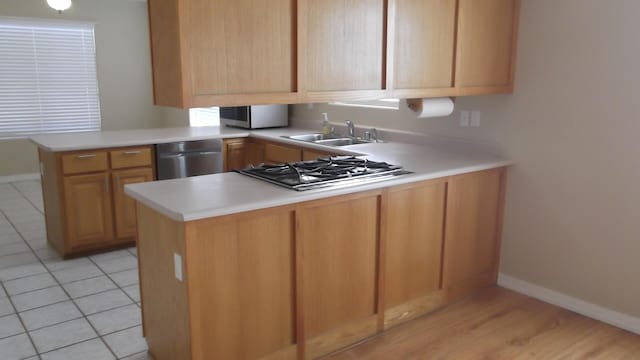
(234, 267)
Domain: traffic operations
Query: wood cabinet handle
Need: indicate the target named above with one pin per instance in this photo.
(86, 156)
(132, 152)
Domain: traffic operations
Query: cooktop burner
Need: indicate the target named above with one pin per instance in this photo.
(332, 171)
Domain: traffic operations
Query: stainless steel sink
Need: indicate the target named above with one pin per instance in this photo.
(329, 140)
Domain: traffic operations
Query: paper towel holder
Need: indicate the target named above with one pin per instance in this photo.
(416, 104)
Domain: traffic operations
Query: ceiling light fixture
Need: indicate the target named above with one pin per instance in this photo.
(59, 5)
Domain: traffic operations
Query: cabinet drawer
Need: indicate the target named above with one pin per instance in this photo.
(131, 157)
(281, 154)
(83, 162)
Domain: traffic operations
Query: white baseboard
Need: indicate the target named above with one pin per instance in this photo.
(623, 321)
(19, 177)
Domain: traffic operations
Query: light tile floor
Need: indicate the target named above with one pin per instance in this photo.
(86, 308)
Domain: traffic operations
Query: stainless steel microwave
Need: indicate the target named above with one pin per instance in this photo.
(255, 116)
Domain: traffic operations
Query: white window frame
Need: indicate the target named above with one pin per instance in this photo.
(48, 77)
(204, 117)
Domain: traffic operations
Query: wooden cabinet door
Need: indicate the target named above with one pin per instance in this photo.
(242, 154)
(337, 244)
(472, 232)
(124, 206)
(344, 45)
(277, 154)
(313, 154)
(486, 44)
(87, 204)
(240, 46)
(413, 236)
(240, 271)
(424, 38)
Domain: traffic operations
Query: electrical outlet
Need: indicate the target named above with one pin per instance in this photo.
(464, 118)
(177, 266)
(475, 118)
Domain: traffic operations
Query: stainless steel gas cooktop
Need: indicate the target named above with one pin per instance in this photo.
(335, 171)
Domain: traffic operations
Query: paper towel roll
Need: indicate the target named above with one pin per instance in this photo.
(427, 108)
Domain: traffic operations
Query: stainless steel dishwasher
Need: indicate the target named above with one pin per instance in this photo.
(188, 158)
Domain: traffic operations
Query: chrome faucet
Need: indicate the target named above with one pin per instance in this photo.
(350, 128)
(374, 134)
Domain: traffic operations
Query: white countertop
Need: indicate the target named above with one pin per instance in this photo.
(228, 193)
(111, 139)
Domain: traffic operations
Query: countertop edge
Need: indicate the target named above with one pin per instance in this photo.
(258, 205)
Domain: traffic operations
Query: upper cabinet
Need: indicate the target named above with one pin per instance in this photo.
(208, 52)
(485, 56)
(423, 34)
(239, 52)
(343, 46)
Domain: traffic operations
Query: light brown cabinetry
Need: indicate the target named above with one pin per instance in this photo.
(303, 280)
(473, 231)
(413, 228)
(223, 52)
(240, 153)
(277, 154)
(343, 47)
(486, 46)
(423, 35)
(308, 154)
(337, 262)
(85, 206)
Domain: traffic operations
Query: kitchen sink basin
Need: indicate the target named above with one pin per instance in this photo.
(329, 140)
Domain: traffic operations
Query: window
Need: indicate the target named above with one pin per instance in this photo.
(48, 80)
(388, 104)
(204, 116)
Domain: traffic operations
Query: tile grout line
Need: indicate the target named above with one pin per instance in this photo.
(66, 293)
(71, 299)
(15, 309)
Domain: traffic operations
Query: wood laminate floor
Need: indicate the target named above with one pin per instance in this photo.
(499, 324)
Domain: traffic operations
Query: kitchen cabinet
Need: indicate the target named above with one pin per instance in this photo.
(337, 261)
(473, 231)
(278, 154)
(241, 152)
(214, 52)
(124, 206)
(225, 52)
(308, 154)
(423, 34)
(343, 47)
(85, 205)
(413, 230)
(486, 46)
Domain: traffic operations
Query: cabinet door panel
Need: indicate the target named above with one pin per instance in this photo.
(88, 209)
(474, 205)
(240, 46)
(241, 286)
(240, 155)
(125, 207)
(344, 45)
(486, 37)
(424, 43)
(281, 154)
(338, 242)
(414, 235)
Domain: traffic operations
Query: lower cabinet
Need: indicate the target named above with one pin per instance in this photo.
(124, 206)
(303, 280)
(241, 153)
(87, 203)
(473, 230)
(337, 267)
(413, 228)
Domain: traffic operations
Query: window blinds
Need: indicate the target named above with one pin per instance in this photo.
(48, 80)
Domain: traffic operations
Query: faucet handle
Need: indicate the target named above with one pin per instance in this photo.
(374, 134)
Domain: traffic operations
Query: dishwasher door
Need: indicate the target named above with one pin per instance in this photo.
(188, 158)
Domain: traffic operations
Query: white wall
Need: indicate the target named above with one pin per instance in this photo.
(573, 215)
(123, 64)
